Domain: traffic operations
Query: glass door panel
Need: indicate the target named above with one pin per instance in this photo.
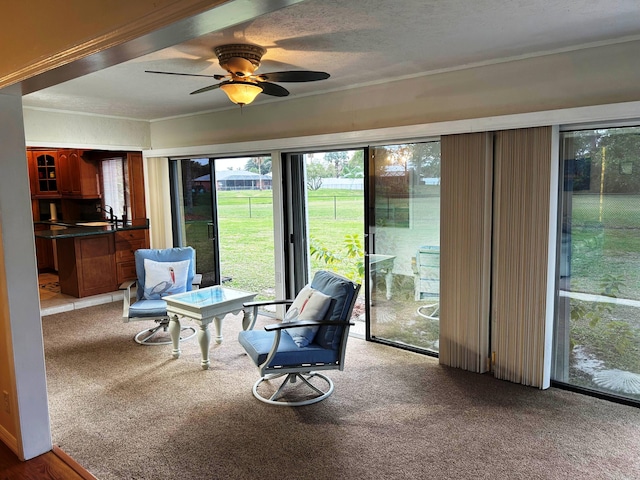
(597, 333)
(404, 244)
(245, 224)
(226, 213)
(335, 209)
(335, 217)
(194, 213)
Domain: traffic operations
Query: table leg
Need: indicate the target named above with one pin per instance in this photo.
(204, 339)
(174, 331)
(249, 318)
(217, 321)
(389, 282)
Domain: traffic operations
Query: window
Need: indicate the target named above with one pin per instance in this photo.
(114, 183)
(597, 332)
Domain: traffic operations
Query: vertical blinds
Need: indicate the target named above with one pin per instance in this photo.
(522, 203)
(465, 250)
(496, 212)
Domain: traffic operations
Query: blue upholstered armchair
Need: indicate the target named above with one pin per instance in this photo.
(312, 337)
(159, 272)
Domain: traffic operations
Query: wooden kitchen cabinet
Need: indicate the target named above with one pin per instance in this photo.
(127, 242)
(79, 177)
(86, 265)
(44, 250)
(136, 188)
(44, 171)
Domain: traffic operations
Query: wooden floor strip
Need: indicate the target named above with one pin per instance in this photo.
(53, 465)
(79, 469)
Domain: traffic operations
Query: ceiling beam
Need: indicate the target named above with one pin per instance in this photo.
(137, 38)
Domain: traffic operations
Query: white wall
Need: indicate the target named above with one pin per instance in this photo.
(29, 398)
(59, 129)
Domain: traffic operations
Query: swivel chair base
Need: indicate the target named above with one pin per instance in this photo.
(151, 336)
(318, 394)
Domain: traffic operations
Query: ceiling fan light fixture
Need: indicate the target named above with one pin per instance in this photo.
(242, 93)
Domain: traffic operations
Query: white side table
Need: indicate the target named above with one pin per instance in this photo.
(203, 306)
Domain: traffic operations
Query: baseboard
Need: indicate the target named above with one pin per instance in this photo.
(10, 441)
(79, 469)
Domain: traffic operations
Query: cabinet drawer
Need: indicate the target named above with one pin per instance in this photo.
(128, 235)
(126, 271)
(124, 250)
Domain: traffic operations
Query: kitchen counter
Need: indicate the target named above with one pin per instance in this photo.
(93, 257)
(60, 230)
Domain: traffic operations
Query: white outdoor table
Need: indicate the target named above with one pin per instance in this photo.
(204, 306)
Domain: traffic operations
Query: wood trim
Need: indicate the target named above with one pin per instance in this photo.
(115, 35)
(75, 466)
(136, 188)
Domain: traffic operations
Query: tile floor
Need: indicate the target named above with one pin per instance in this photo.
(52, 301)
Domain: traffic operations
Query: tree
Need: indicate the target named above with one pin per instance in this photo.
(425, 158)
(192, 169)
(315, 173)
(336, 160)
(261, 165)
(355, 167)
(617, 148)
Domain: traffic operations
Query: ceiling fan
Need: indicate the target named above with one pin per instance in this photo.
(241, 84)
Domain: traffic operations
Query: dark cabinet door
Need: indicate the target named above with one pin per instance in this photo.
(45, 168)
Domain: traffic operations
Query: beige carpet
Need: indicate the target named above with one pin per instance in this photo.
(125, 411)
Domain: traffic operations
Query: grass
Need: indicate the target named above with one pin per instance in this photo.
(333, 214)
(605, 238)
(605, 259)
(245, 232)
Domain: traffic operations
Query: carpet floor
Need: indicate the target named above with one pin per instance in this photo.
(126, 411)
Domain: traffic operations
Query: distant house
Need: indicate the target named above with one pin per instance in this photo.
(202, 184)
(233, 180)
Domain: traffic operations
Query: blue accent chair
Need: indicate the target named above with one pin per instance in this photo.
(155, 308)
(276, 354)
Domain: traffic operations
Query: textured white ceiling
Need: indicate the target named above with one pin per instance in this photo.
(356, 41)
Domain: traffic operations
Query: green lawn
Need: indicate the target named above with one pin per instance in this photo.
(605, 241)
(246, 232)
(605, 259)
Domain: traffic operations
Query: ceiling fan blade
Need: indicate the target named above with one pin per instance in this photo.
(206, 89)
(294, 76)
(217, 77)
(273, 89)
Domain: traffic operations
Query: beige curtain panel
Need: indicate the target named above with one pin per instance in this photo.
(522, 198)
(465, 250)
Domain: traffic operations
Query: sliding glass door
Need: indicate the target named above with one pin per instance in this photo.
(335, 211)
(193, 211)
(404, 244)
(224, 209)
(597, 333)
(325, 219)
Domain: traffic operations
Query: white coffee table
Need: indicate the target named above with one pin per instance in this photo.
(203, 306)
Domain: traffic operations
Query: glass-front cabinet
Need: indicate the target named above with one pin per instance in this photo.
(45, 165)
